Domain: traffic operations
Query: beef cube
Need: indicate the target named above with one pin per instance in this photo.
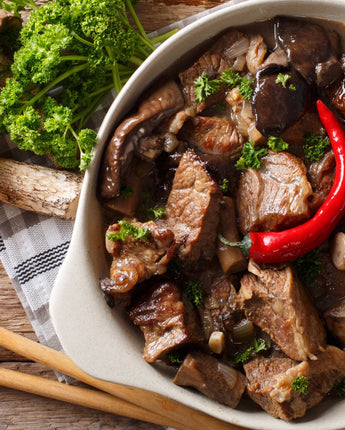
(274, 300)
(212, 135)
(162, 317)
(192, 210)
(135, 260)
(276, 196)
(211, 377)
(270, 382)
(219, 311)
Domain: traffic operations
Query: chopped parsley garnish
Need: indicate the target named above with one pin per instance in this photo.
(128, 229)
(308, 267)
(194, 293)
(224, 185)
(258, 345)
(283, 79)
(176, 357)
(339, 388)
(156, 212)
(277, 144)
(315, 146)
(204, 87)
(233, 79)
(300, 384)
(251, 156)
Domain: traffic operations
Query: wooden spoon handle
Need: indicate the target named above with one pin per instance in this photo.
(89, 398)
(169, 412)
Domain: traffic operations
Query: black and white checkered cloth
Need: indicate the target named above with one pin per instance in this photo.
(32, 247)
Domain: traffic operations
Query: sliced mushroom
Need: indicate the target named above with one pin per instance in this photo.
(212, 378)
(277, 106)
(309, 49)
(126, 141)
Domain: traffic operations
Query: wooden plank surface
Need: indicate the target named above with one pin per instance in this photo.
(21, 411)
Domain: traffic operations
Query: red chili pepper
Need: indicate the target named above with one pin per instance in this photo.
(277, 247)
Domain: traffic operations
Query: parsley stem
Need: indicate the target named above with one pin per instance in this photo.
(142, 32)
(60, 78)
(74, 58)
(82, 40)
(161, 38)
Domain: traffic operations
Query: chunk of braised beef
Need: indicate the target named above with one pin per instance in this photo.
(276, 196)
(309, 49)
(213, 62)
(192, 210)
(277, 106)
(212, 377)
(162, 316)
(136, 260)
(129, 137)
(274, 299)
(270, 382)
(219, 312)
(212, 135)
(112, 298)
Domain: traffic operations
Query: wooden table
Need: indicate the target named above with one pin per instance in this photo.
(21, 411)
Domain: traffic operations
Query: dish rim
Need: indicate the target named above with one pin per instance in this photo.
(65, 303)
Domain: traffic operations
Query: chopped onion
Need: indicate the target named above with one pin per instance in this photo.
(243, 330)
(240, 47)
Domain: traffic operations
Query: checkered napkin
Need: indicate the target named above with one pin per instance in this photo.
(32, 247)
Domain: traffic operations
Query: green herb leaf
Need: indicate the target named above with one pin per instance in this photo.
(194, 293)
(224, 185)
(309, 267)
(128, 229)
(277, 144)
(204, 87)
(234, 79)
(176, 357)
(156, 212)
(258, 346)
(251, 156)
(339, 388)
(315, 146)
(283, 79)
(300, 384)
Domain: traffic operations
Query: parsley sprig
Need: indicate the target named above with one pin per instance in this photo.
(258, 346)
(251, 156)
(315, 146)
(300, 384)
(194, 293)
(204, 86)
(128, 229)
(283, 80)
(309, 267)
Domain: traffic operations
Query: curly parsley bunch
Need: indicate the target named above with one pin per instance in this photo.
(71, 54)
